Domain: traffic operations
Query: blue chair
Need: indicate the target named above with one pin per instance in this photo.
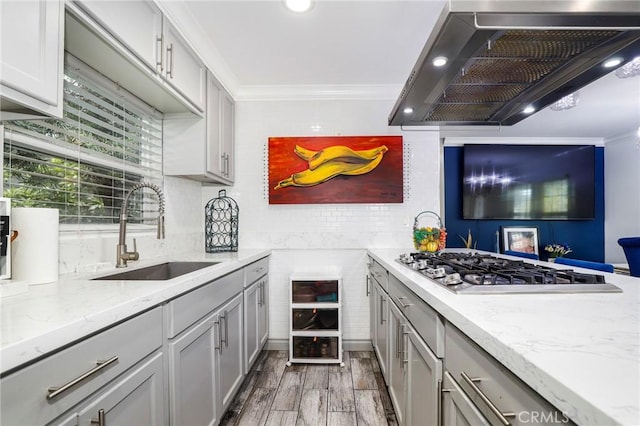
(631, 247)
(605, 267)
(522, 254)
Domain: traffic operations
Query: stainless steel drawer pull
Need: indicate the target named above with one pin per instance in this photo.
(100, 421)
(219, 340)
(226, 330)
(100, 365)
(382, 320)
(402, 304)
(499, 414)
(170, 61)
(159, 53)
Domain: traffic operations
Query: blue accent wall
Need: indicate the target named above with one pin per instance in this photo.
(585, 237)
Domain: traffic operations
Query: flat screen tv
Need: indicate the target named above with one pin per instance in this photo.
(553, 182)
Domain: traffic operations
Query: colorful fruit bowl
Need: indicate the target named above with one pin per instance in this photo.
(429, 239)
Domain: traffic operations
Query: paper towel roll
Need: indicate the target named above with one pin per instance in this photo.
(35, 252)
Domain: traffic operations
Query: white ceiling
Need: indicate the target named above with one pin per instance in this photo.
(376, 43)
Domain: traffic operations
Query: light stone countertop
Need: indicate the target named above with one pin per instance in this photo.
(581, 352)
(50, 316)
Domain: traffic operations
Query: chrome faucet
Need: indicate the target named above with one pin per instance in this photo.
(122, 254)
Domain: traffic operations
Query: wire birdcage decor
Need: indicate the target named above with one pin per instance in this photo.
(221, 224)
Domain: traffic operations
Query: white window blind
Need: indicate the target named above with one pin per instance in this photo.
(86, 163)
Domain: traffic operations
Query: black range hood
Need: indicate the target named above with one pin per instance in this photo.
(505, 55)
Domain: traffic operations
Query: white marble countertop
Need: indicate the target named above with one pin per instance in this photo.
(49, 316)
(581, 352)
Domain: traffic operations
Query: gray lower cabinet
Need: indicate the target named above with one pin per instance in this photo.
(206, 340)
(381, 329)
(397, 365)
(136, 399)
(256, 320)
(117, 372)
(229, 355)
(493, 391)
(423, 373)
(192, 374)
(457, 407)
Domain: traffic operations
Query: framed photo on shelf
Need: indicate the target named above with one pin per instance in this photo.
(520, 238)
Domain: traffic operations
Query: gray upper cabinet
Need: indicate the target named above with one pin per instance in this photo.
(32, 46)
(181, 67)
(148, 35)
(202, 149)
(136, 24)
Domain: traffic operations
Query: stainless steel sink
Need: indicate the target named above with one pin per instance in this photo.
(160, 272)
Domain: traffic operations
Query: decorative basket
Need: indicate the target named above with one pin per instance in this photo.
(221, 224)
(429, 239)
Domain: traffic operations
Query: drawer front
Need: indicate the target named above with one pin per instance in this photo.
(423, 317)
(255, 271)
(314, 319)
(479, 373)
(380, 274)
(189, 308)
(24, 399)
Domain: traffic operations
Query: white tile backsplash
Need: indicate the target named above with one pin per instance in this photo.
(308, 236)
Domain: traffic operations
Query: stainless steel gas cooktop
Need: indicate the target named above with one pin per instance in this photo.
(475, 273)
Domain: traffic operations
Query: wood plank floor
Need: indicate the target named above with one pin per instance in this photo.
(312, 394)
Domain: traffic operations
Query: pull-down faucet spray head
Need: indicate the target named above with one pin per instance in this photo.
(122, 254)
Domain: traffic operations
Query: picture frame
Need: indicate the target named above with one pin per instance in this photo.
(520, 238)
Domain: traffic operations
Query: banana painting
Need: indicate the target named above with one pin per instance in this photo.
(331, 162)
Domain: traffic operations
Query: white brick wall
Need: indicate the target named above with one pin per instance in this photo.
(309, 236)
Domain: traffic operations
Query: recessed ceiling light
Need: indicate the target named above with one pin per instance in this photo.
(298, 5)
(439, 61)
(408, 110)
(528, 109)
(613, 62)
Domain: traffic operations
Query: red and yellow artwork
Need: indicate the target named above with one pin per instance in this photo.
(335, 169)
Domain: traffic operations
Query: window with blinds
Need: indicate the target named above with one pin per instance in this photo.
(86, 163)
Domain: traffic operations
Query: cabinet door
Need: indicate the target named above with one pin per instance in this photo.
(229, 364)
(182, 68)
(251, 323)
(214, 148)
(397, 370)
(136, 24)
(138, 399)
(382, 314)
(372, 310)
(31, 42)
(227, 135)
(263, 314)
(192, 379)
(424, 372)
(457, 408)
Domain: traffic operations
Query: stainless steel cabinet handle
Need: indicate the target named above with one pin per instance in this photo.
(226, 165)
(100, 365)
(368, 280)
(381, 310)
(226, 329)
(401, 303)
(159, 52)
(260, 294)
(405, 358)
(170, 61)
(100, 421)
(219, 340)
(499, 414)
